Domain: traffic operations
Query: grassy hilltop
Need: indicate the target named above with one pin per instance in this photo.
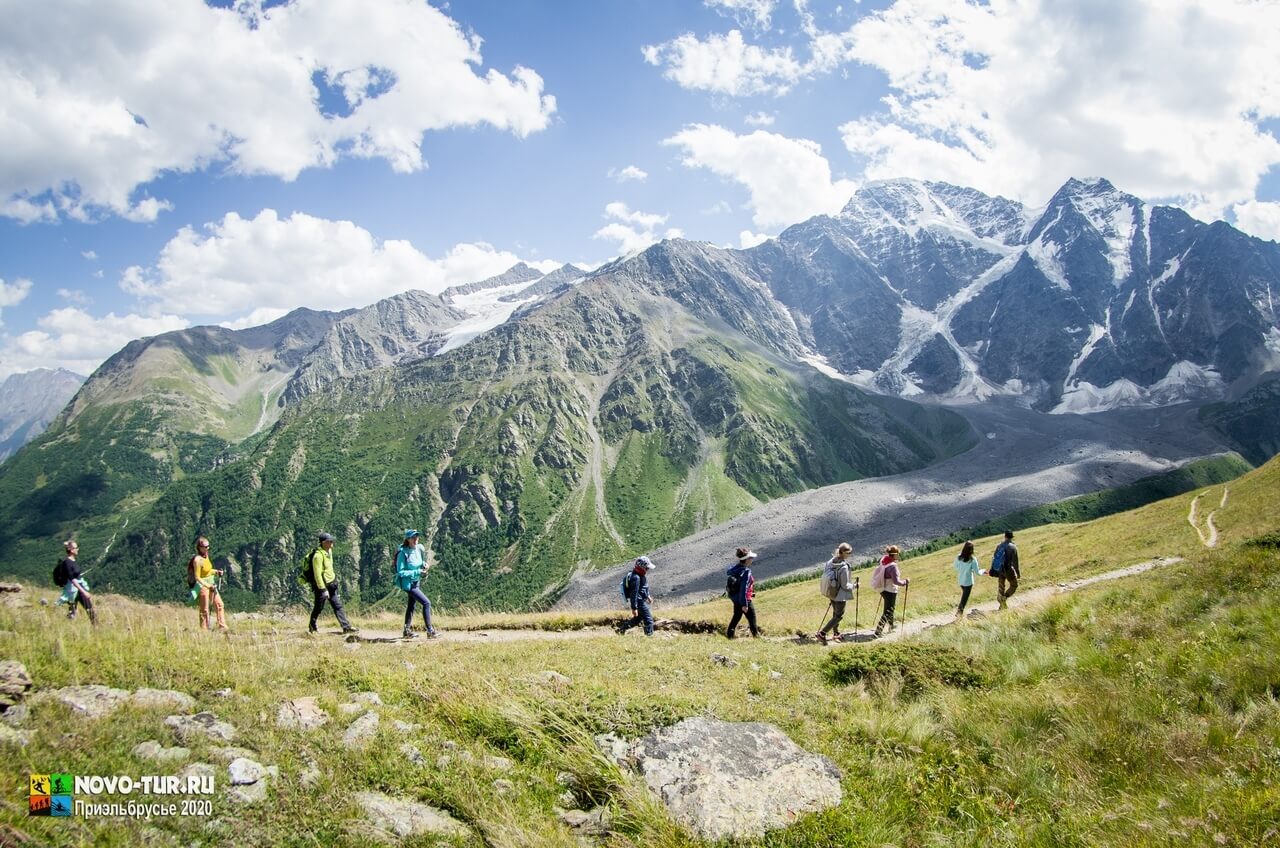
(1141, 711)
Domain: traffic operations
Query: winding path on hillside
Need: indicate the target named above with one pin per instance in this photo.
(1209, 540)
(1022, 458)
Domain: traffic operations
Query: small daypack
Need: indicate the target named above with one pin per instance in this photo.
(626, 596)
(829, 583)
(877, 577)
(60, 573)
(191, 572)
(997, 560)
(731, 584)
(306, 574)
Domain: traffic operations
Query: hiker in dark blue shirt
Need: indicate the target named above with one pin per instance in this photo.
(741, 589)
(636, 588)
(1004, 565)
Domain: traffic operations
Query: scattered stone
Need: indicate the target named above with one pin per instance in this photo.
(373, 699)
(9, 736)
(249, 793)
(10, 587)
(504, 786)
(228, 754)
(449, 745)
(153, 750)
(406, 727)
(14, 683)
(361, 731)
(734, 780)
(567, 799)
(310, 776)
(16, 715)
(461, 756)
(244, 771)
(222, 693)
(167, 699)
(201, 725)
(91, 701)
(614, 747)
(568, 778)
(755, 666)
(594, 823)
(497, 763)
(407, 818)
(721, 659)
(413, 754)
(301, 714)
(198, 770)
(574, 818)
(553, 679)
(775, 675)
(351, 709)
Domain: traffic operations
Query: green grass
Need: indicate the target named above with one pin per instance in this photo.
(1144, 711)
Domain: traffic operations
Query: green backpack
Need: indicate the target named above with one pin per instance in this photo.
(306, 574)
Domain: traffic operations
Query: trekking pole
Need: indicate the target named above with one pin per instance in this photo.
(857, 600)
(906, 593)
(824, 618)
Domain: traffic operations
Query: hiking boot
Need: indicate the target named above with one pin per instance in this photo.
(837, 637)
(1004, 604)
(959, 614)
(408, 634)
(821, 637)
(433, 634)
(350, 629)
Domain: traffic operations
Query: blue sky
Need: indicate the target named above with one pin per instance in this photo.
(168, 164)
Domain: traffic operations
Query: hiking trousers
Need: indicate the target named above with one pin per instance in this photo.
(417, 596)
(737, 616)
(642, 614)
(1011, 579)
(334, 601)
(837, 613)
(964, 598)
(209, 595)
(890, 603)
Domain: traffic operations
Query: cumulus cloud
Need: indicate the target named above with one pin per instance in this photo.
(11, 294)
(76, 296)
(1165, 97)
(726, 64)
(633, 230)
(631, 172)
(759, 119)
(73, 339)
(91, 255)
(1259, 218)
(750, 12)
(747, 239)
(101, 102)
(236, 265)
(787, 179)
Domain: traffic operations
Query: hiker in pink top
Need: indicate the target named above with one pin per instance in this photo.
(889, 579)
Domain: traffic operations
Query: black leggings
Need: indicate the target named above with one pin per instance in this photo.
(416, 595)
(964, 597)
(737, 616)
(890, 602)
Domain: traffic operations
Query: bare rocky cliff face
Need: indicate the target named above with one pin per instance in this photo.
(28, 402)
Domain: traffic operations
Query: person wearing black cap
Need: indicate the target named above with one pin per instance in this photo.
(324, 583)
(409, 573)
(636, 588)
(741, 589)
(1004, 564)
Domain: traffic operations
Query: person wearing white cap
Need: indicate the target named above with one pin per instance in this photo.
(635, 586)
(741, 589)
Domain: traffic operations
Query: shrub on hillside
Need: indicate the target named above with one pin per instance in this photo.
(919, 666)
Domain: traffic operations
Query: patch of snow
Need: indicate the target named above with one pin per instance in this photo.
(1111, 215)
(863, 378)
(1128, 304)
(1187, 381)
(1045, 255)
(1085, 397)
(486, 311)
(1096, 333)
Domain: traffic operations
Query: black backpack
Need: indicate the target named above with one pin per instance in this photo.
(60, 575)
(731, 584)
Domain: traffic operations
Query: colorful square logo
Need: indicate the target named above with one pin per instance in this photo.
(40, 784)
(41, 805)
(51, 794)
(60, 805)
(61, 784)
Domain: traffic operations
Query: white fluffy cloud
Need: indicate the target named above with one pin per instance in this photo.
(759, 119)
(73, 339)
(788, 179)
(1259, 218)
(238, 265)
(631, 172)
(1014, 96)
(11, 294)
(752, 12)
(747, 239)
(100, 102)
(726, 64)
(633, 230)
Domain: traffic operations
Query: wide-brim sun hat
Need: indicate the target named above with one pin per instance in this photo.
(750, 554)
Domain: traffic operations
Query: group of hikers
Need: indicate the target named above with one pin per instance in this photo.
(837, 584)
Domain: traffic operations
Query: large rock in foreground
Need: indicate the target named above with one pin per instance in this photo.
(725, 779)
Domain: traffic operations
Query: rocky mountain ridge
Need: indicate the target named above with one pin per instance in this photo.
(29, 401)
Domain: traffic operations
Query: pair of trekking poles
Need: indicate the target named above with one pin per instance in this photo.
(857, 603)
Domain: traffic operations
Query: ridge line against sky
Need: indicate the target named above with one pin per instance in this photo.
(167, 164)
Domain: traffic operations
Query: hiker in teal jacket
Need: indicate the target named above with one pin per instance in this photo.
(409, 574)
(324, 584)
(966, 566)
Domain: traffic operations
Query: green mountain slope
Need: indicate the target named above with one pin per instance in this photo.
(601, 425)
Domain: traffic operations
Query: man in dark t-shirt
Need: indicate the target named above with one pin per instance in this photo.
(72, 571)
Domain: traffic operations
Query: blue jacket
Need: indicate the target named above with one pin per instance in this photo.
(408, 566)
(638, 588)
(746, 584)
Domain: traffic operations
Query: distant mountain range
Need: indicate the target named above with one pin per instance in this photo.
(29, 401)
(592, 416)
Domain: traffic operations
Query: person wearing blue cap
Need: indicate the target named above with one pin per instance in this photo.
(636, 589)
(409, 573)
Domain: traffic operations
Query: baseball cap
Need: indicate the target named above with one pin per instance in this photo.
(326, 537)
(409, 534)
(645, 563)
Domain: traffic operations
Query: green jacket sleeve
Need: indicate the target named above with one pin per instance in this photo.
(317, 569)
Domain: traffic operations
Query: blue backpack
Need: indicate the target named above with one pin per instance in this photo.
(625, 595)
(997, 560)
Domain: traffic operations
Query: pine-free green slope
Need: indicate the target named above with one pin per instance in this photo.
(605, 424)
(1140, 712)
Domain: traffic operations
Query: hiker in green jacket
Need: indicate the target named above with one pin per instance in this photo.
(324, 584)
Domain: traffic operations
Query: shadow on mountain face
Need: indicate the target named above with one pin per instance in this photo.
(49, 508)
